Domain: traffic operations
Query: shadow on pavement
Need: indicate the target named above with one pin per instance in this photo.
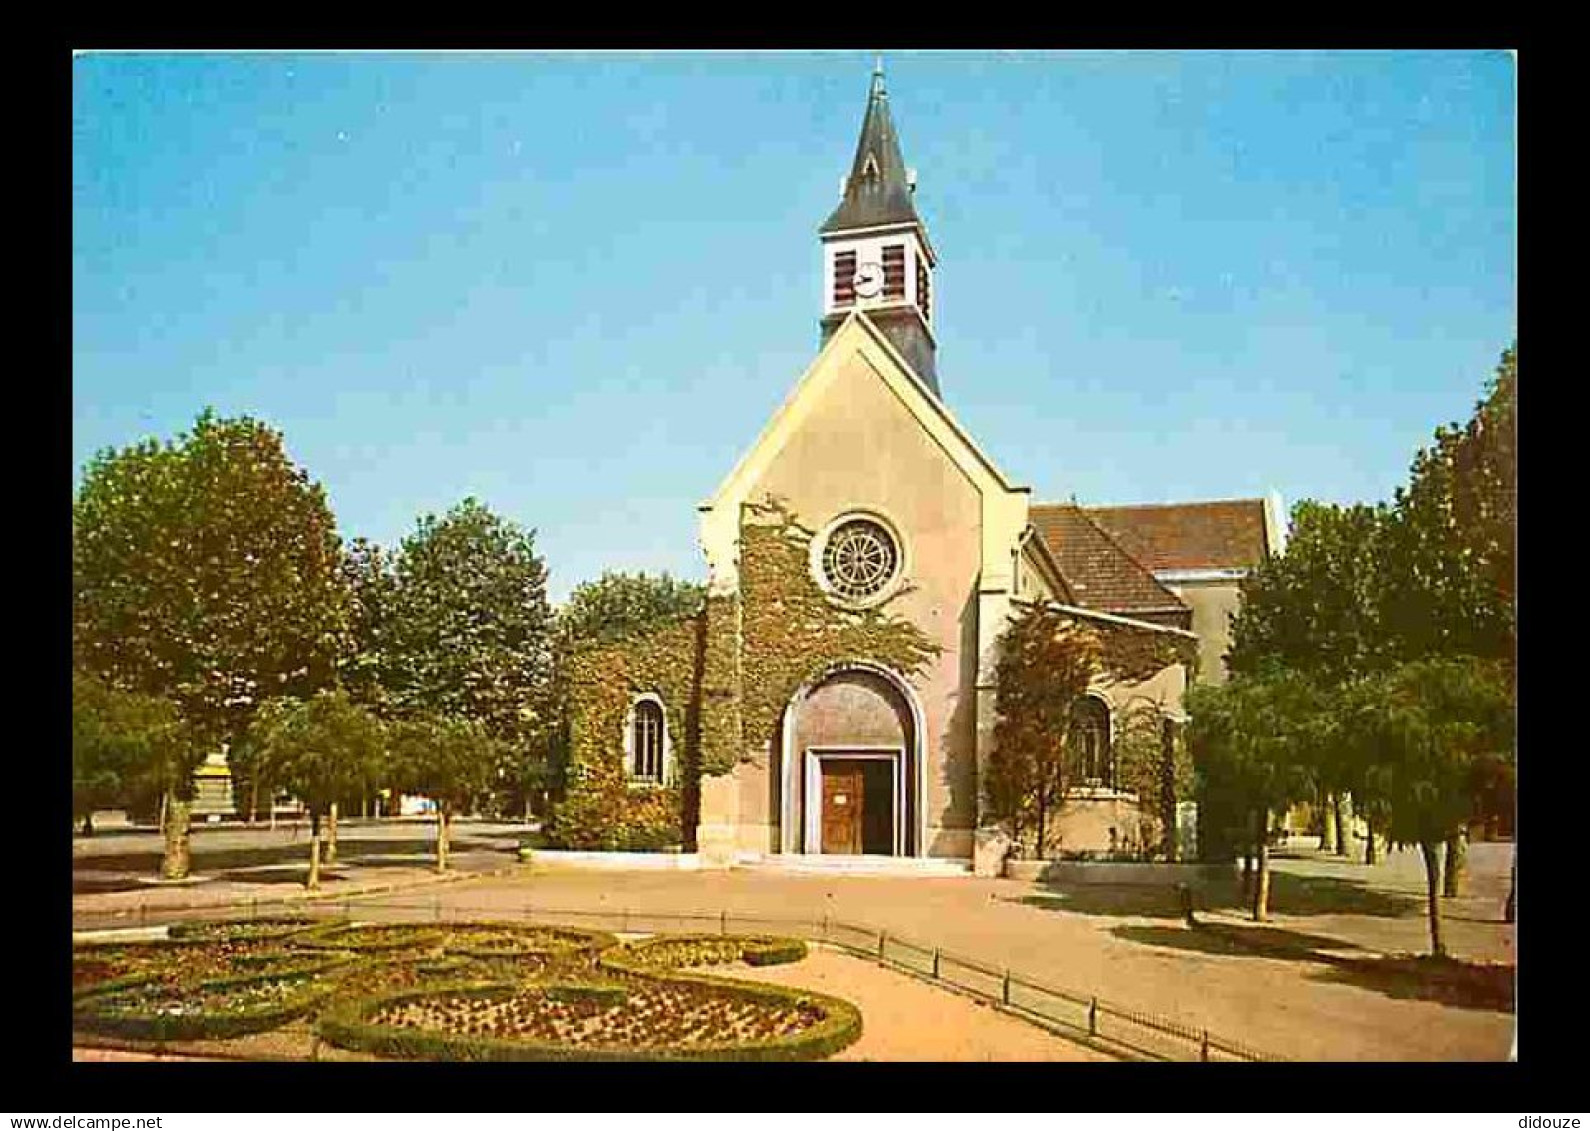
(365, 853)
(1289, 895)
(1224, 938)
(1116, 900)
(1466, 985)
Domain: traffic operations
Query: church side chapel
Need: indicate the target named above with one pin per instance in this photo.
(837, 694)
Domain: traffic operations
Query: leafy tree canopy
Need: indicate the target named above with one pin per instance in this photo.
(1451, 576)
(1046, 661)
(320, 748)
(466, 627)
(206, 571)
(1316, 608)
(124, 744)
(1424, 737)
(449, 760)
(618, 604)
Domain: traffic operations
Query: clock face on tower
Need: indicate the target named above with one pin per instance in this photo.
(868, 279)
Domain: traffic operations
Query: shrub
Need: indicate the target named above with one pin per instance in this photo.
(275, 927)
(346, 1024)
(227, 1007)
(597, 994)
(371, 937)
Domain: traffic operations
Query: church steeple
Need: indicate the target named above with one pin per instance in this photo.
(878, 190)
(876, 254)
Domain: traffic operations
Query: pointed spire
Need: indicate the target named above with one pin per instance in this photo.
(878, 190)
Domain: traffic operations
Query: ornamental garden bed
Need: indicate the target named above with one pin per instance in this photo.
(275, 927)
(369, 938)
(471, 991)
(658, 1018)
(162, 1011)
(509, 940)
(100, 967)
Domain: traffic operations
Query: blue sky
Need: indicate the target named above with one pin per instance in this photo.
(575, 285)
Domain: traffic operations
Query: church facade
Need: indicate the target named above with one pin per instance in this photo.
(836, 694)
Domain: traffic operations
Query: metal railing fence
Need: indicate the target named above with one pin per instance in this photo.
(1129, 1032)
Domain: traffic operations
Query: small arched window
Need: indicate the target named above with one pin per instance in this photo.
(646, 745)
(1091, 763)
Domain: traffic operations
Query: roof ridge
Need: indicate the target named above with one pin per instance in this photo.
(1166, 506)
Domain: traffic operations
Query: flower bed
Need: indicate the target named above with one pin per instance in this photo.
(497, 991)
(275, 927)
(369, 938)
(230, 1007)
(100, 967)
(508, 940)
(674, 951)
(661, 1017)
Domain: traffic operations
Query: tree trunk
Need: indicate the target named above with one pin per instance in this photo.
(1432, 872)
(441, 838)
(1327, 824)
(253, 797)
(331, 834)
(313, 883)
(1369, 842)
(1043, 809)
(1510, 912)
(1247, 872)
(88, 824)
(1261, 893)
(178, 856)
(1341, 825)
(1456, 864)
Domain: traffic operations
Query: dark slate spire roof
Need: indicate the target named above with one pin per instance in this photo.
(876, 191)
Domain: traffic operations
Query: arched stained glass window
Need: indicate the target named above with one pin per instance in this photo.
(646, 749)
(1091, 763)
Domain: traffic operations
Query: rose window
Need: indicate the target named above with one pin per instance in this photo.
(859, 559)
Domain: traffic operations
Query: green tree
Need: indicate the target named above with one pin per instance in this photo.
(370, 578)
(205, 571)
(449, 760)
(467, 634)
(1256, 743)
(319, 749)
(1046, 661)
(124, 745)
(1451, 590)
(1316, 609)
(1423, 737)
(618, 604)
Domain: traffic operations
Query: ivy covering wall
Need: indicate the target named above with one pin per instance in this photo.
(793, 633)
(724, 676)
(601, 808)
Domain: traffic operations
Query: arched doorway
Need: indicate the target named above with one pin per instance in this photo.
(851, 766)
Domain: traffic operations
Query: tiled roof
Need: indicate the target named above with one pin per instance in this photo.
(1228, 534)
(1100, 573)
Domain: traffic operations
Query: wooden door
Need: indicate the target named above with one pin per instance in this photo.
(843, 804)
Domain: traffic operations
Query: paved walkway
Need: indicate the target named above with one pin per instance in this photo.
(115, 874)
(1129, 947)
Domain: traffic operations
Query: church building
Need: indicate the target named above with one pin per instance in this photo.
(836, 694)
